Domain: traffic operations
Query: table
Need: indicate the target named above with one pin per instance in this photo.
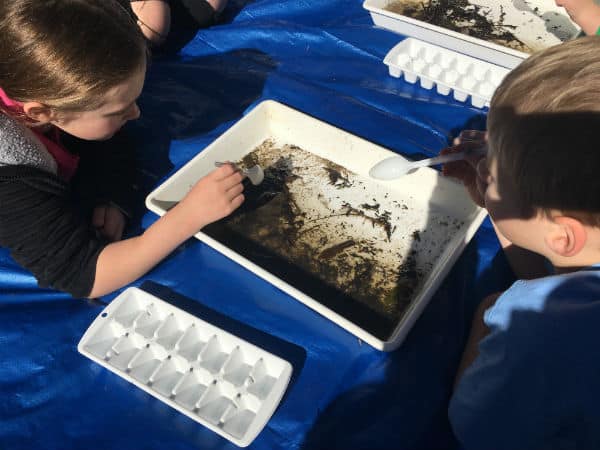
(322, 57)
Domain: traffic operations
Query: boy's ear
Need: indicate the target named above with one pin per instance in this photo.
(567, 237)
(38, 112)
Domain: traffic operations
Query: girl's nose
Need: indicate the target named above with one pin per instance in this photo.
(134, 112)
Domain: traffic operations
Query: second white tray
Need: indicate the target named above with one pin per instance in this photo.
(537, 23)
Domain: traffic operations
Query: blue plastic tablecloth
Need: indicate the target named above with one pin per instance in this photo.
(322, 57)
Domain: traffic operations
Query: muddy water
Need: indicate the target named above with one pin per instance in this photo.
(322, 230)
(460, 16)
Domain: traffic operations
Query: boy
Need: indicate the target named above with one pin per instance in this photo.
(530, 370)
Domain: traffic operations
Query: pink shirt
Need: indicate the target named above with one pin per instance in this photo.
(66, 162)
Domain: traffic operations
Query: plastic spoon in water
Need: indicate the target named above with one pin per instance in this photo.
(255, 174)
(397, 166)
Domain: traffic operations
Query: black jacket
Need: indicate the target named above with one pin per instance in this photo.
(45, 222)
(45, 232)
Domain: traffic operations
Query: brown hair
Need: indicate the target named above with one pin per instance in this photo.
(67, 53)
(543, 128)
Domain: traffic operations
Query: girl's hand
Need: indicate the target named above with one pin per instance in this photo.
(109, 221)
(212, 198)
(467, 170)
(215, 196)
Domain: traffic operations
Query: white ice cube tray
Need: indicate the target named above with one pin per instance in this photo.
(221, 381)
(447, 70)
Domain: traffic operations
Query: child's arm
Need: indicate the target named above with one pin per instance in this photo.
(524, 263)
(212, 198)
(585, 13)
(500, 387)
(479, 330)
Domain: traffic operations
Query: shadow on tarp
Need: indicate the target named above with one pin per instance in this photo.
(288, 351)
(410, 400)
(408, 404)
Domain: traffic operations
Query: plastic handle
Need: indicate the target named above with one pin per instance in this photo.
(440, 159)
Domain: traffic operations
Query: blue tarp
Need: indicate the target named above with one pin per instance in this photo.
(322, 57)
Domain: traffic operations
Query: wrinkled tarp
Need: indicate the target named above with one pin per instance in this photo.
(322, 57)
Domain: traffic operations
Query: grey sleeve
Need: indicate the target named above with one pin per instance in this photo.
(19, 146)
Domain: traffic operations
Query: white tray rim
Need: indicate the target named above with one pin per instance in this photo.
(373, 8)
(418, 304)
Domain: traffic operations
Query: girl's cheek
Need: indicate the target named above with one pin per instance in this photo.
(482, 186)
(114, 125)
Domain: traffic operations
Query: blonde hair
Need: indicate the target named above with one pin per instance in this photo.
(543, 128)
(66, 54)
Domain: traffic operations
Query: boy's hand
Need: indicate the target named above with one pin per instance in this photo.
(466, 170)
(471, 136)
(109, 221)
(215, 196)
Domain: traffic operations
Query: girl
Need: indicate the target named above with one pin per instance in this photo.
(76, 67)
(154, 16)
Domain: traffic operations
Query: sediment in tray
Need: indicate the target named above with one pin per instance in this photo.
(460, 16)
(321, 219)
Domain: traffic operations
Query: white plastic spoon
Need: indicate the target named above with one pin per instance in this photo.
(255, 174)
(396, 166)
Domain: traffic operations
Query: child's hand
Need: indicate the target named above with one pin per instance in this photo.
(215, 196)
(471, 136)
(466, 170)
(585, 13)
(109, 221)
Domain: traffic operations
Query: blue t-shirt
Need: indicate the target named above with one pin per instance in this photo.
(536, 381)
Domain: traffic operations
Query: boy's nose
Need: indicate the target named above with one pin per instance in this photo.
(482, 170)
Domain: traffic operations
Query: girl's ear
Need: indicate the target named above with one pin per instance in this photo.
(38, 112)
(567, 237)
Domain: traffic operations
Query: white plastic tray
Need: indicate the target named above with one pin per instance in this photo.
(445, 69)
(211, 376)
(536, 23)
(423, 206)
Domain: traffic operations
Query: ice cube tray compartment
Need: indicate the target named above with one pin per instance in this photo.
(447, 70)
(221, 381)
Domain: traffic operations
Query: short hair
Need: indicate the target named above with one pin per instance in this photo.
(66, 54)
(544, 127)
